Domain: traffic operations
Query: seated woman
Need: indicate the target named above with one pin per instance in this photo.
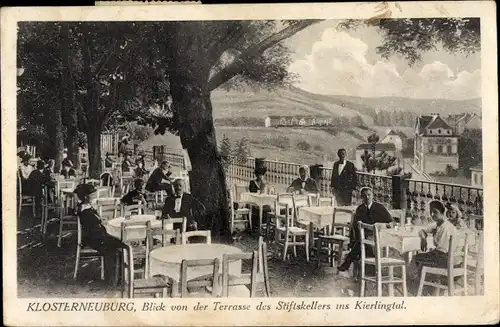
(94, 234)
(258, 185)
(442, 230)
(454, 216)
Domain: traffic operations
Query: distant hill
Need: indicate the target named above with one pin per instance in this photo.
(295, 101)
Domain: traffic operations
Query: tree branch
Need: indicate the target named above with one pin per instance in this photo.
(103, 63)
(236, 66)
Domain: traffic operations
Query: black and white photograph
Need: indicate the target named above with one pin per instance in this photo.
(250, 158)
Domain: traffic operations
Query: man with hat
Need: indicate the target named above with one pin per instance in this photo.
(94, 234)
(368, 212)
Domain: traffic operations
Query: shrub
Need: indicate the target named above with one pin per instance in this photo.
(318, 147)
(304, 146)
(282, 142)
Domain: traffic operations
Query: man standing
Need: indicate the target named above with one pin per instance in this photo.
(159, 179)
(180, 204)
(303, 184)
(344, 179)
(369, 212)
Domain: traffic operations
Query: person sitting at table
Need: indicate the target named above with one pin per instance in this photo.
(66, 161)
(136, 195)
(50, 172)
(25, 170)
(441, 229)
(369, 212)
(159, 180)
(108, 162)
(67, 170)
(180, 204)
(140, 171)
(303, 184)
(94, 234)
(257, 185)
(454, 216)
(37, 181)
(126, 164)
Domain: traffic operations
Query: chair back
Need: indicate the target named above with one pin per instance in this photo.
(238, 190)
(458, 250)
(103, 192)
(106, 179)
(163, 235)
(299, 201)
(326, 201)
(128, 270)
(197, 233)
(212, 281)
(285, 197)
(67, 184)
(374, 244)
(108, 209)
(180, 220)
(132, 209)
(262, 268)
(336, 225)
(242, 278)
(131, 238)
(271, 189)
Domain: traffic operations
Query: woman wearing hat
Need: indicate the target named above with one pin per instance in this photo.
(25, 171)
(94, 234)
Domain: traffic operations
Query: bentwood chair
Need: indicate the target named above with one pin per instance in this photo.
(332, 242)
(85, 252)
(134, 233)
(287, 234)
(206, 234)
(379, 262)
(148, 285)
(457, 267)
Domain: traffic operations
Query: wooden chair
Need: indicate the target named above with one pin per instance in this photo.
(162, 236)
(103, 192)
(46, 206)
(160, 197)
(133, 209)
(106, 179)
(279, 213)
(475, 262)
(240, 215)
(155, 285)
(238, 191)
(24, 200)
(326, 201)
(180, 220)
(299, 201)
(286, 235)
(457, 267)
(263, 269)
(379, 262)
(85, 252)
(107, 209)
(138, 244)
(333, 240)
(211, 281)
(67, 218)
(197, 233)
(231, 282)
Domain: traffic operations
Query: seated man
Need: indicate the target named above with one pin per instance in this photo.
(94, 234)
(127, 164)
(369, 212)
(67, 170)
(25, 171)
(136, 195)
(303, 184)
(179, 205)
(37, 180)
(159, 179)
(108, 162)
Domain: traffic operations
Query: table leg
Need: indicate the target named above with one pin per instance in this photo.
(311, 236)
(261, 213)
(391, 286)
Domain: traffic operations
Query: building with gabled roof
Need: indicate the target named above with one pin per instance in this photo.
(394, 138)
(436, 144)
(464, 121)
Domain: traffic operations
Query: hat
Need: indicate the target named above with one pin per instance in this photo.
(26, 157)
(83, 190)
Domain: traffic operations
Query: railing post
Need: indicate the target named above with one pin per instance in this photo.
(399, 186)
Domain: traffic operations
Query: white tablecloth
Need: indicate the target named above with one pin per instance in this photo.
(260, 199)
(322, 216)
(113, 227)
(167, 260)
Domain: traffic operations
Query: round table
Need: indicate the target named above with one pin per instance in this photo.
(114, 226)
(167, 260)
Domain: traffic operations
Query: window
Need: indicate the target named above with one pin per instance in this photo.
(439, 149)
(449, 149)
(439, 131)
(431, 149)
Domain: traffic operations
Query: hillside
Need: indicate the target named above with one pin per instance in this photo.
(294, 101)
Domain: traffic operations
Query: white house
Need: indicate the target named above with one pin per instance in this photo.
(477, 176)
(394, 138)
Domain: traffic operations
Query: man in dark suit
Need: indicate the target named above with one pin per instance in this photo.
(369, 212)
(136, 194)
(159, 179)
(180, 204)
(344, 179)
(94, 234)
(303, 184)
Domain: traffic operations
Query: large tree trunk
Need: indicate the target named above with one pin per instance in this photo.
(94, 148)
(59, 138)
(188, 75)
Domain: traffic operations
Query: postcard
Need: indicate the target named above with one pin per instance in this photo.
(264, 164)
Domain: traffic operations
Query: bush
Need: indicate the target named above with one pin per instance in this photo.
(282, 142)
(318, 147)
(304, 146)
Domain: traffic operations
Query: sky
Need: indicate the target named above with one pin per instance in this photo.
(328, 61)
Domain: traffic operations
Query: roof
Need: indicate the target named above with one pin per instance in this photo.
(169, 140)
(430, 121)
(378, 147)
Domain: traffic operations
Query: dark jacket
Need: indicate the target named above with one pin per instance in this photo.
(36, 181)
(310, 185)
(132, 197)
(126, 164)
(253, 187)
(377, 214)
(155, 179)
(347, 180)
(186, 210)
(92, 229)
(69, 173)
(108, 163)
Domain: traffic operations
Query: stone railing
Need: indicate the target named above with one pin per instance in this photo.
(395, 192)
